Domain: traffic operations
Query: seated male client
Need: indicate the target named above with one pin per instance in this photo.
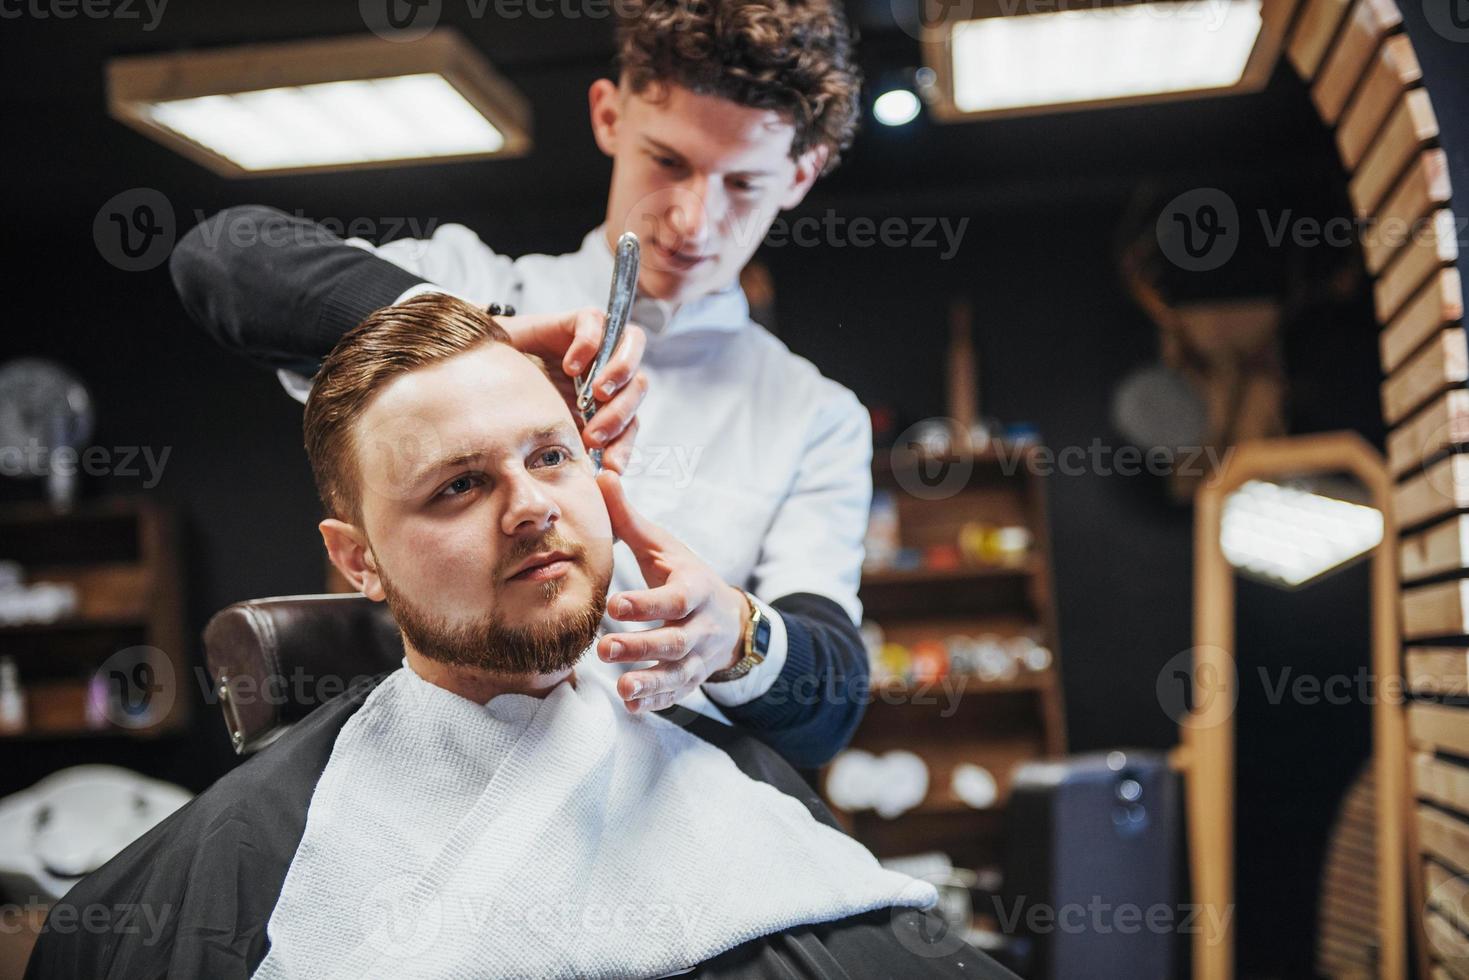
(490, 809)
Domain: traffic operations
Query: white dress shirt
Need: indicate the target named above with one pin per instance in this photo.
(745, 452)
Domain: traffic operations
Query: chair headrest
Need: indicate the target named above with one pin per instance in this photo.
(274, 660)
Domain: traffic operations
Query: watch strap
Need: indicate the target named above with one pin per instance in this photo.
(757, 643)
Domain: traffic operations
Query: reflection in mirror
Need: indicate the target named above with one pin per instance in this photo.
(1289, 533)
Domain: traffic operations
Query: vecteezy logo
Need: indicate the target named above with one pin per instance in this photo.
(400, 918)
(399, 448)
(1206, 222)
(919, 20)
(1449, 18)
(1448, 900)
(1443, 474)
(134, 230)
(400, 20)
(1199, 230)
(929, 933)
(927, 467)
(1194, 692)
(135, 687)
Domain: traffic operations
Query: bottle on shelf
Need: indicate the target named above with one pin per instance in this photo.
(12, 698)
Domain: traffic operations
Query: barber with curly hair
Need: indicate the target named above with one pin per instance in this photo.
(723, 115)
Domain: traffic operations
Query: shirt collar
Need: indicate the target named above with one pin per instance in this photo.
(724, 309)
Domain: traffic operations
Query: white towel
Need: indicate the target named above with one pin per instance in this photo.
(554, 837)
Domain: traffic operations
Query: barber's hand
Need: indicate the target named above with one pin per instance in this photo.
(703, 617)
(571, 340)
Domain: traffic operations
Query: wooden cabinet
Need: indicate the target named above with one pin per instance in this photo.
(994, 721)
(117, 663)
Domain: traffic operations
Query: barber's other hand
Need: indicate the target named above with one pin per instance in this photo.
(571, 340)
(703, 617)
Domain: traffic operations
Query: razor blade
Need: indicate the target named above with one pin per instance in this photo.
(619, 305)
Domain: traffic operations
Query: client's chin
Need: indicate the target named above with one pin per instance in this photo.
(560, 630)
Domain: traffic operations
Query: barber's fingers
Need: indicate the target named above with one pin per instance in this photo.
(557, 337)
(668, 602)
(650, 544)
(618, 453)
(658, 687)
(574, 337)
(657, 702)
(613, 417)
(665, 643)
(586, 337)
(623, 366)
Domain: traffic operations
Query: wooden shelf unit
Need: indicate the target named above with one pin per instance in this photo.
(997, 724)
(121, 555)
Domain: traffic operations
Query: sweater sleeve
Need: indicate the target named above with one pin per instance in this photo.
(278, 289)
(281, 289)
(811, 710)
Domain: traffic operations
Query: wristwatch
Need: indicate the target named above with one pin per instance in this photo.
(757, 644)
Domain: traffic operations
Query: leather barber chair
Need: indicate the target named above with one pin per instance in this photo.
(274, 660)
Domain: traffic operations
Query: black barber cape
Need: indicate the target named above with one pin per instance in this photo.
(191, 898)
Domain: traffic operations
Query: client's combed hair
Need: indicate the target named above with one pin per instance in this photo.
(389, 342)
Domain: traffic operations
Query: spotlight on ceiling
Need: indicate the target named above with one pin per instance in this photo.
(309, 106)
(991, 61)
(896, 106)
(1290, 534)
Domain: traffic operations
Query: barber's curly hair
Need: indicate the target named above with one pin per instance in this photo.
(794, 56)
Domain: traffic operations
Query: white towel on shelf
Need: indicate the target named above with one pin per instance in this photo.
(554, 837)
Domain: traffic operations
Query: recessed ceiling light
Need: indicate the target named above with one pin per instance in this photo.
(896, 107)
(1097, 55)
(323, 105)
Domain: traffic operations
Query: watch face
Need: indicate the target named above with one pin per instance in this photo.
(762, 636)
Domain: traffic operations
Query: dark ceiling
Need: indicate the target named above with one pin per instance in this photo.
(66, 156)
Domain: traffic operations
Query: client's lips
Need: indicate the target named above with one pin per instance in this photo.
(546, 564)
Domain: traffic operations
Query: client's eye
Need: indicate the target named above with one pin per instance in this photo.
(552, 457)
(461, 485)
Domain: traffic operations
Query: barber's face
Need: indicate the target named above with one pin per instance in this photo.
(482, 512)
(698, 178)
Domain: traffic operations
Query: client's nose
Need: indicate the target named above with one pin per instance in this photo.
(529, 510)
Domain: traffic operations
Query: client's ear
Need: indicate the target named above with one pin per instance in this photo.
(347, 547)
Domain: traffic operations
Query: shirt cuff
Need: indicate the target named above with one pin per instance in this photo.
(418, 289)
(298, 386)
(755, 683)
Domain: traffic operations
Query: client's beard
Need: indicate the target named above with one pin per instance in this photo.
(549, 645)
